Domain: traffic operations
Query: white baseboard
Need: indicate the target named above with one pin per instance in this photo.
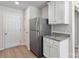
(22, 43)
(1, 49)
(17, 44)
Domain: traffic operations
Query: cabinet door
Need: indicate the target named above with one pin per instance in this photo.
(46, 47)
(59, 12)
(51, 49)
(51, 13)
(54, 49)
(64, 48)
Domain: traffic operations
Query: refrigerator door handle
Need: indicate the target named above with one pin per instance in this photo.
(37, 25)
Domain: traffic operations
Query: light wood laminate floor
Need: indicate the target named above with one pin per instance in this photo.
(17, 52)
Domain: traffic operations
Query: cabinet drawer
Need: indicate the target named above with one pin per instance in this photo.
(53, 42)
(46, 41)
(56, 43)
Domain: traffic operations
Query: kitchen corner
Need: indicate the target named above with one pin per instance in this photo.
(58, 44)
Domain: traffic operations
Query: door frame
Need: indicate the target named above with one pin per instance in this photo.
(73, 27)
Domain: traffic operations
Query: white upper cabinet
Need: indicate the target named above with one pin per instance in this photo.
(58, 12)
(51, 13)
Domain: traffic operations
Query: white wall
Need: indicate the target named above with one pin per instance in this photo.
(30, 12)
(44, 12)
(26, 27)
(34, 12)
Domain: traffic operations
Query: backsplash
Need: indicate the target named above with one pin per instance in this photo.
(60, 28)
(61, 35)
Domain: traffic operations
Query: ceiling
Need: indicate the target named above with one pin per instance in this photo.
(23, 4)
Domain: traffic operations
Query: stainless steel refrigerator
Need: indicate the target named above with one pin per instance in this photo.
(38, 28)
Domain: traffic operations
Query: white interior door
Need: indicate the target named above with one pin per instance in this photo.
(12, 29)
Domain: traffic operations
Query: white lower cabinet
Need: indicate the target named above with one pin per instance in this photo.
(46, 47)
(55, 49)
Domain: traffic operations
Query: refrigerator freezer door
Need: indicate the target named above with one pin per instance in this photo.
(45, 29)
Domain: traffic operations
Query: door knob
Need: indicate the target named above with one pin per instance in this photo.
(5, 33)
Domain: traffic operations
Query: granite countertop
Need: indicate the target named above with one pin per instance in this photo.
(57, 38)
